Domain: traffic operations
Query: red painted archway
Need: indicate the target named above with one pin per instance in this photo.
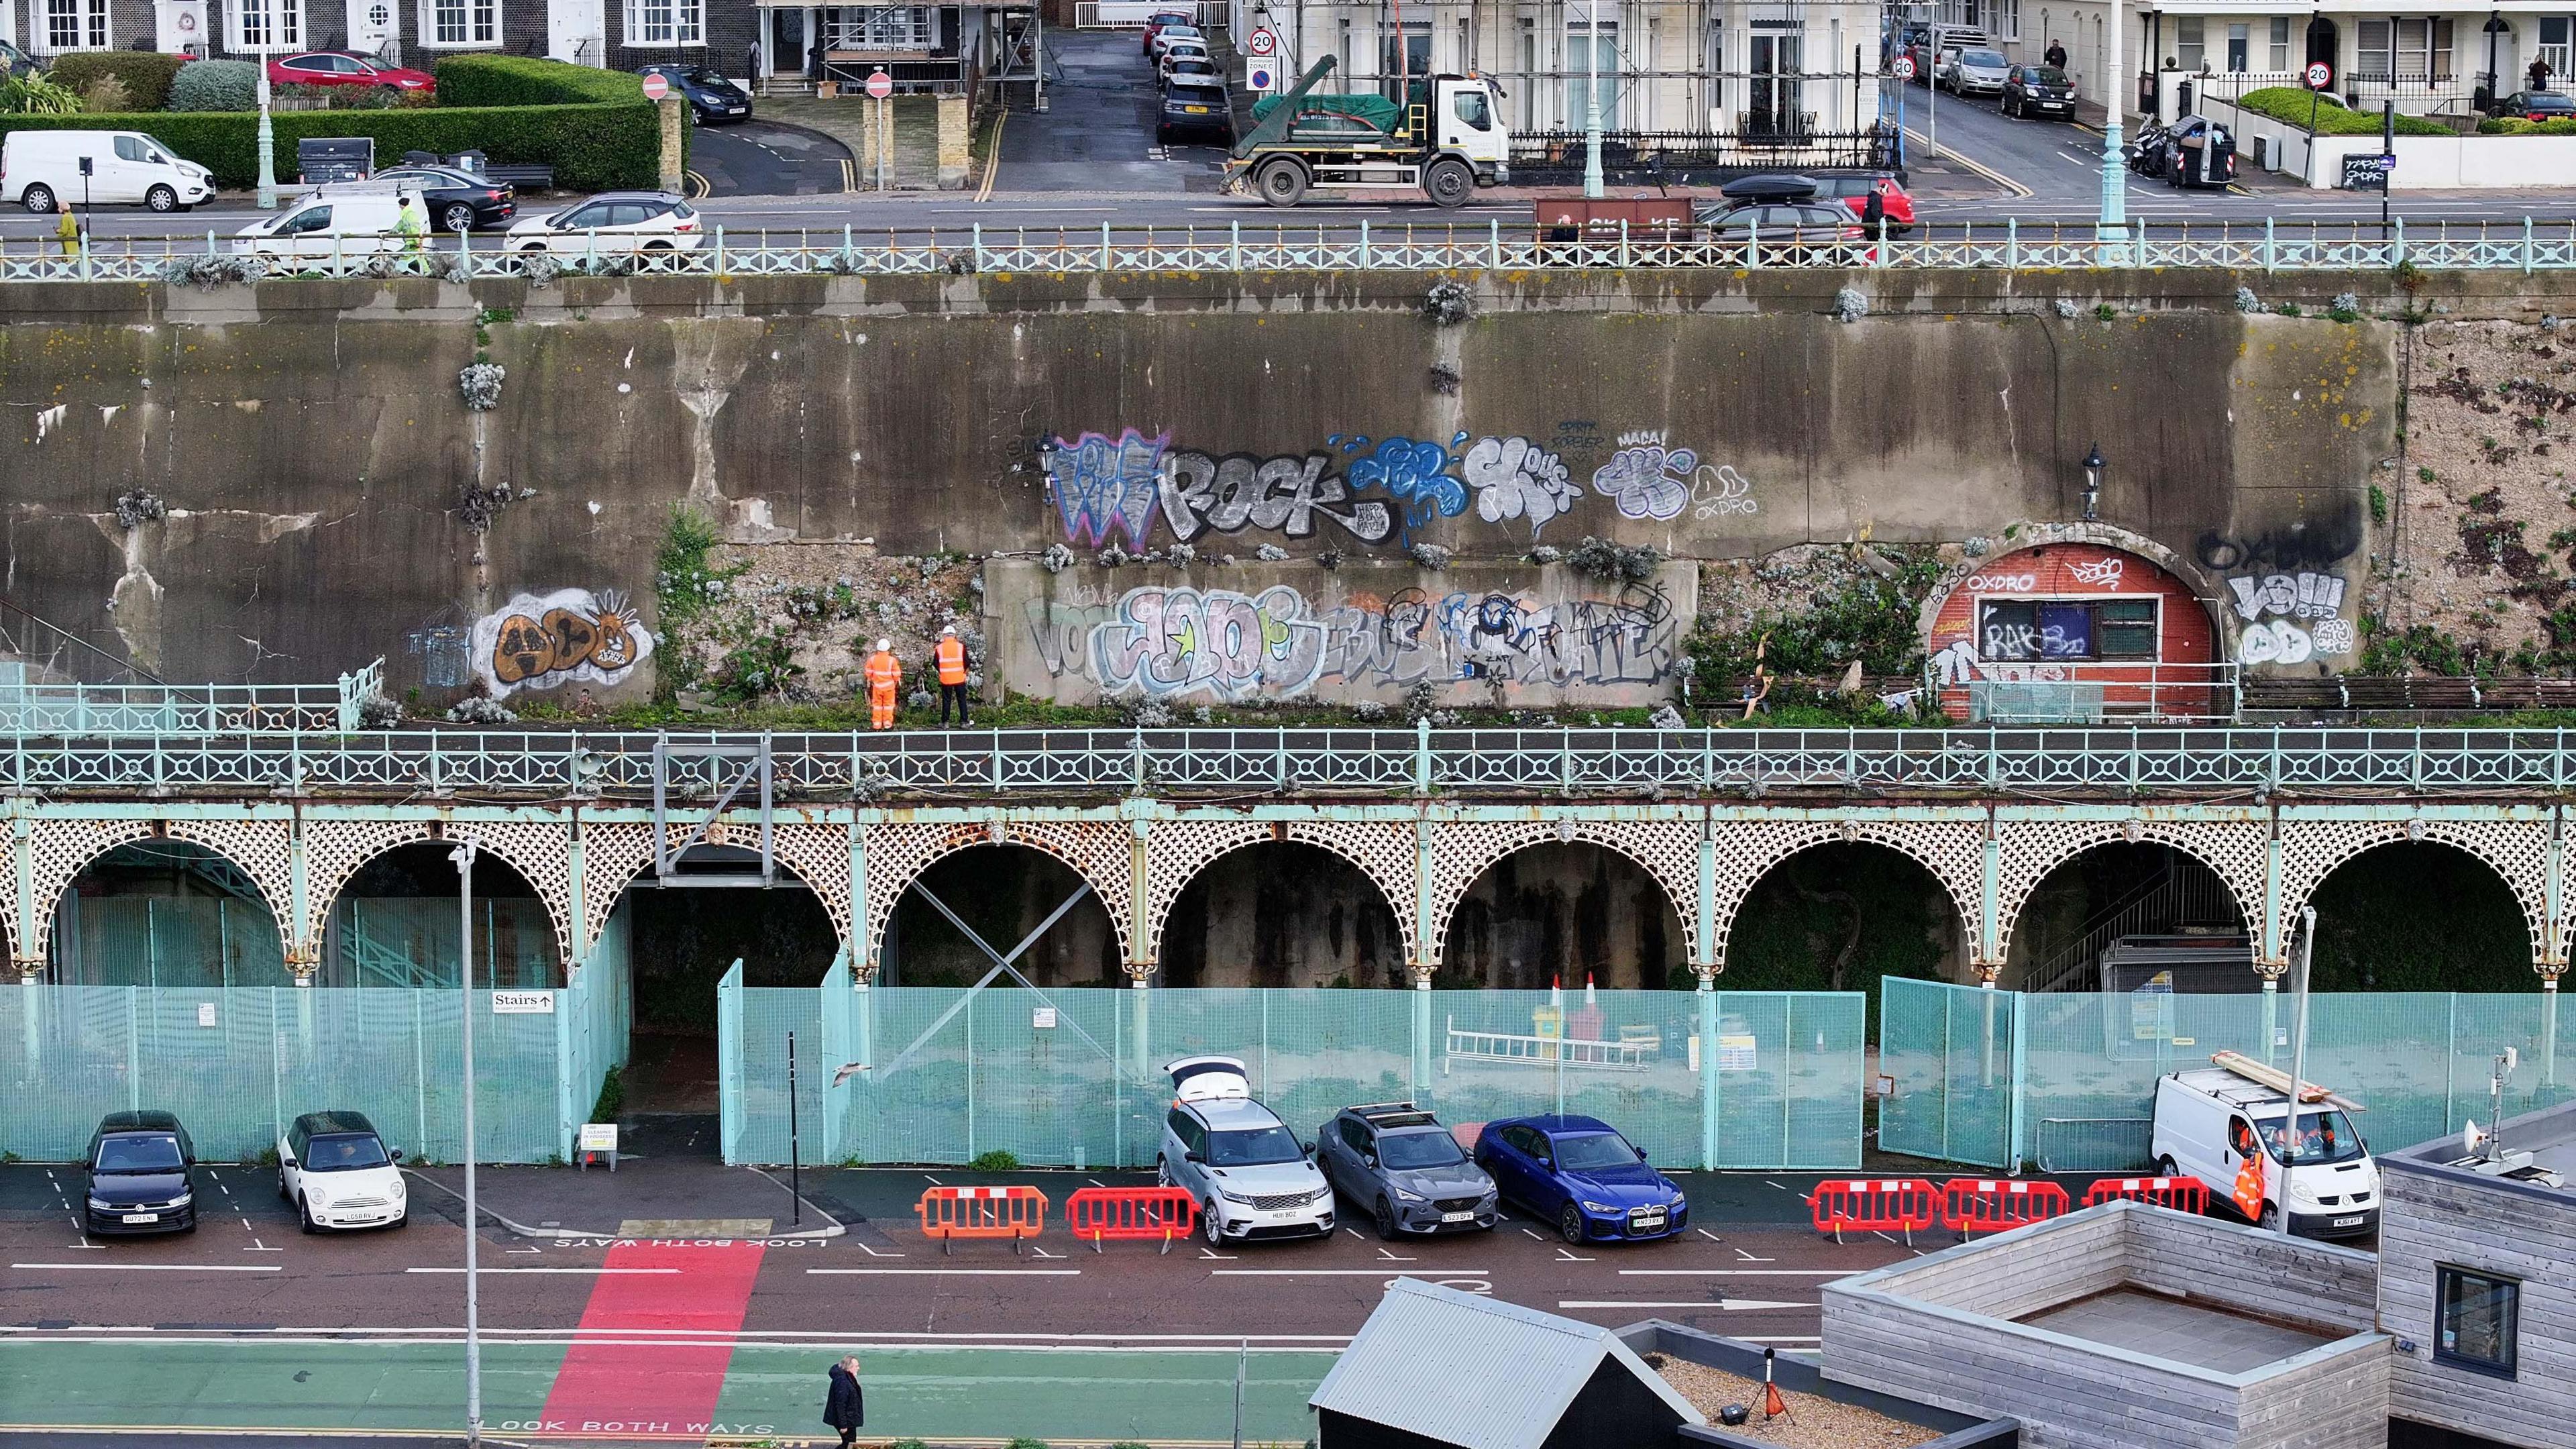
(2075, 631)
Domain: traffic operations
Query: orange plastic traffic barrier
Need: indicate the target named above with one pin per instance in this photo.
(1998, 1205)
(2182, 1194)
(1875, 1205)
(1099, 1213)
(950, 1213)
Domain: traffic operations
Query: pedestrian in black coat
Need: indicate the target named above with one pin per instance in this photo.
(843, 1408)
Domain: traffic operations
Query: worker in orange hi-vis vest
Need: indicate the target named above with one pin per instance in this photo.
(950, 656)
(2249, 1176)
(884, 675)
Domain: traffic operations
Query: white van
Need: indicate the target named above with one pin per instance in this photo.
(2208, 1119)
(41, 171)
(332, 222)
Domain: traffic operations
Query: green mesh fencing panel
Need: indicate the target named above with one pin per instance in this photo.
(1623, 1057)
(1949, 1051)
(411, 941)
(1034, 1074)
(1310, 1053)
(237, 1063)
(596, 1012)
(1789, 1068)
(167, 941)
(758, 1076)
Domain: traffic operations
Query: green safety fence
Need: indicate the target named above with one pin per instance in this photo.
(2066, 1081)
(1072, 1077)
(168, 941)
(238, 1063)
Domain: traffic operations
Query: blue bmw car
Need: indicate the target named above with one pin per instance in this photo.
(1580, 1174)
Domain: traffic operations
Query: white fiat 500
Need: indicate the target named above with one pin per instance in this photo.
(339, 1174)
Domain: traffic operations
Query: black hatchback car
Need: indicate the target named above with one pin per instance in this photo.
(140, 1175)
(2037, 90)
(457, 200)
(714, 99)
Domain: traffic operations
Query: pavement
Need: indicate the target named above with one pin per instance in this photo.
(767, 158)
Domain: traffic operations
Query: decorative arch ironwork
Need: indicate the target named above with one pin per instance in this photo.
(2517, 850)
(540, 851)
(1951, 850)
(899, 851)
(2030, 850)
(1170, 867)
(1462, 851)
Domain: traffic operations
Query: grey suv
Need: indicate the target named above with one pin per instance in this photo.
(1398, 1164)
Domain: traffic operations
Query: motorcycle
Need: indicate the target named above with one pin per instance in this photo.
(2147, 153)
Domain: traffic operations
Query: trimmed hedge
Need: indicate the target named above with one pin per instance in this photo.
(2524, 126)
(146, 73)
(593, 127)
(2289, 103)
(215, 85)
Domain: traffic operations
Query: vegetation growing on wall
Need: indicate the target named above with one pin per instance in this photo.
(1805, 616)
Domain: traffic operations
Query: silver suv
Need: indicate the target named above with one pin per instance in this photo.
(1251, 1175)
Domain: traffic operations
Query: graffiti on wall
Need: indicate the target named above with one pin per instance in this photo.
(545, 641)
(2290, 618)
(1173, 642)
(1108, 487)
(2306, 544)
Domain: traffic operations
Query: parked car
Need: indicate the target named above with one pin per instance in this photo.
(2041, 90)
(1182, 65)
(16, 62)
(1929, 59)
(339, 1174)
(1183, 50)
(623, 221)
(1974, 71)
(2198, 152)
(2536, 106)
(456, 201)
(1581, 1175)
(713, 99)
(342, 68)
(1853, 190)
(1397, 1163)
(1164, 37)
(340, 221)
(1251, 1175)
(41, 171)
(1155, 22)
(1823, 227)
(1195, 105)
(2207, 1122)
(141, 1176)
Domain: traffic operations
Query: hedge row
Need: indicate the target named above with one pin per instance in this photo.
(146, 73)
(2525, 126)
(593, 127)
(2291, 104)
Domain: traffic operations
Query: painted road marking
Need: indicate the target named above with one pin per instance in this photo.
(605, 1378)
(1391, 1256)
(611, 1272)
(1568, 1255)
(875, 1253)
(1739, 1272)
(1736, 1305)
(1748, 1257)
(156, 1267)
(1348, 1273)
(1712, 1237)
(949, 1272)
(1071, 1342)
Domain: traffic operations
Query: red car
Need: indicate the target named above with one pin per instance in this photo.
(1155, 22)
(340, 68)
(1853, 191)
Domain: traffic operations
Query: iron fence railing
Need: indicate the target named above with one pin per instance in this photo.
(1641, 763)
(2527, 246)
(109, 710)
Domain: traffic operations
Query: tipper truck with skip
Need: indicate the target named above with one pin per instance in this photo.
(1447, 139)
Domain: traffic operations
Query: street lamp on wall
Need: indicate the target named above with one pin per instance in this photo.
(2093, 466)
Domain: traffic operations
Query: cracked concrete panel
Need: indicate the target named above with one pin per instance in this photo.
(137, 603)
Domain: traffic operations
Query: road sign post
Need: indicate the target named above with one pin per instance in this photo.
(2318, 75)
(880, 89)
(1904, 67)
(657, 89)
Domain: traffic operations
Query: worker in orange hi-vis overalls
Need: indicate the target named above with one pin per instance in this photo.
(884, 675)
(951, 659)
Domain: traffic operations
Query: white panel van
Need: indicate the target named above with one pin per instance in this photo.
(2209, 1120)
(42, 171)
(334, 221)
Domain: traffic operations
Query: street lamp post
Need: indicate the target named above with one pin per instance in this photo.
(2115, 167)
(2093, 466)
(1592, 183)
(267, 131)
(463, 856)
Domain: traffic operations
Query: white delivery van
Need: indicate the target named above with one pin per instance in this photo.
(332, 222)
(41, 171)
(2209, 1119)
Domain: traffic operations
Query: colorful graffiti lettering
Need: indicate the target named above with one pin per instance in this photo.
(1516, 478)
(1633, 639)
(1166, 642)
(1286, 495)
(2269, 603)
(1646, 478)
(1104, 485)
(543, 641)
(1413, 473)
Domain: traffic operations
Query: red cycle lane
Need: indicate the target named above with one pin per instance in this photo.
(655, 1341)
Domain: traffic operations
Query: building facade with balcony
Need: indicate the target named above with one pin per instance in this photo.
(1751, 68)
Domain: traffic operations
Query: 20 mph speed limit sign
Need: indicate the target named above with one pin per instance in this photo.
(1263, 41)
(2319, 75)
(1904, 67)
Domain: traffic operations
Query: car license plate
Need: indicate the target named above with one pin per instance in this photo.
(2350, 1222)
(1195, 110)
(1646, 1220)
(143, 1217)
(1457, 1217)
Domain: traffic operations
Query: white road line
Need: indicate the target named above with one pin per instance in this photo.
(1748, 1257)
(1744, 1305)
(877, 1253)
(950, 1272)
(156, 1267)
(1534, 1234)
(1354, 1232)
(598, 1272)
(1229, 1344)
(1714, 1238)
(1347, 1272)
(1567, 1255)
(1390, 1256)
(1739, 1272)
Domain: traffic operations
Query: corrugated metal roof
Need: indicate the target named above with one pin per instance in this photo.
(1474, 1371)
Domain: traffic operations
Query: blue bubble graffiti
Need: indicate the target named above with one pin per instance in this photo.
(1414, 473)
(1104, 485)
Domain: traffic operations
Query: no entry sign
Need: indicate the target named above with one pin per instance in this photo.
(655, 88)
(880, 85)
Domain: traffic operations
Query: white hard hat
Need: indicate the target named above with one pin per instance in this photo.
(884, 645)
(948, 630)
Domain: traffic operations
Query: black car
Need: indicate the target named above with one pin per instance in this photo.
(139, 1176)
(1195, 107)
(457, 200)
(1396, 1162)
(712, 98)
(2536, 106)
(2041, 90)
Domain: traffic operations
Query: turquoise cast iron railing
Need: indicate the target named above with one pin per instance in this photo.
(2524, 246)
(105, 710)
(1640, 762)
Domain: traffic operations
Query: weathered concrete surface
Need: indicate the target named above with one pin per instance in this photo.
(311, 445)
(1513, 634)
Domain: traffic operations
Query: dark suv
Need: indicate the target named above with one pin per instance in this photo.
(139, 1176)
(1194, 106)
(1399, 1164)
(2041, 90)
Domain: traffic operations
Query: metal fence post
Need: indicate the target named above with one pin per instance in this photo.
(1494, 242)
(1234, 245)
(979, 254)
(1422, 756)
(2526, 270)
(2397, 246)
(2269, 256)
(1708, 1100)
(1364, 244)
(1624, 260)
(2012, 243)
